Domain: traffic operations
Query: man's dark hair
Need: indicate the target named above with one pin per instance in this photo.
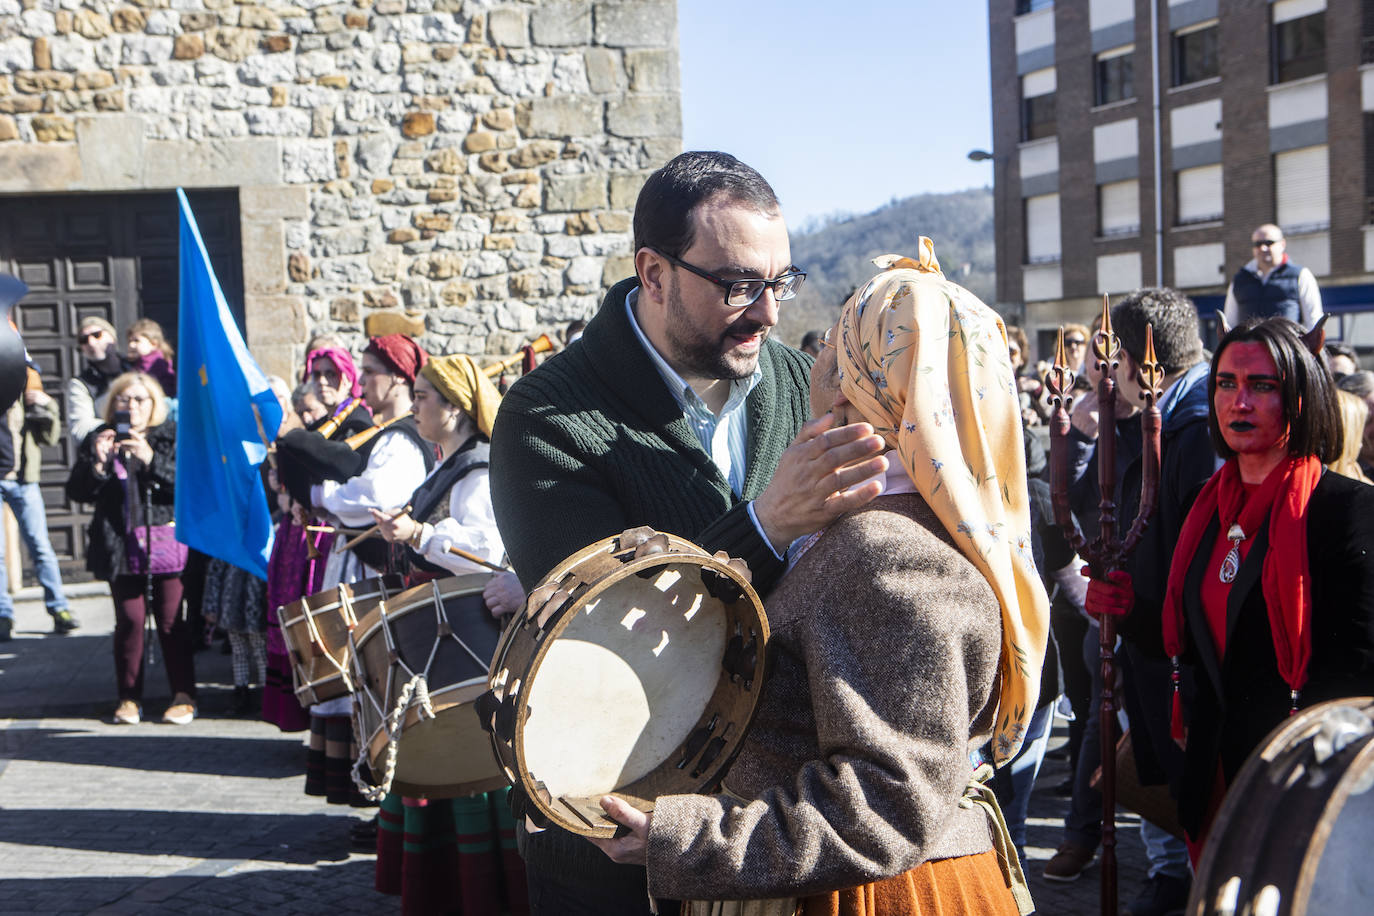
(1173, 316)
(1360, 384)
(1307, 390)
(663, 213)
(811, 339)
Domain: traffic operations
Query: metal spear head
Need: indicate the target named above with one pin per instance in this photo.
(1059, 380)
(1106, 345)
(1151, 374)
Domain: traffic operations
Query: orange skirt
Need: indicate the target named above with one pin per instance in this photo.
(962, 886)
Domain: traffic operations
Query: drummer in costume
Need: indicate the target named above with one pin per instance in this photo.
(419, 855)
(908, 633)
(1271, 591)
(296, 566)
(673, 410)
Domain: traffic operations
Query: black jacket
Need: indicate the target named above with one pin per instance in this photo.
(1241, 698)
(105, 492)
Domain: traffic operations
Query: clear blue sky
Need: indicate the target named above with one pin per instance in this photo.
(841, 104)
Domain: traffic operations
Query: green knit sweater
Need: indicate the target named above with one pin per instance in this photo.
(592, 442)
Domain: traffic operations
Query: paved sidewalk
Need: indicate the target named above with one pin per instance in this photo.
(211, 818)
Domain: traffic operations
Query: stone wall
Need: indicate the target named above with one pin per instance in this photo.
(475, 159)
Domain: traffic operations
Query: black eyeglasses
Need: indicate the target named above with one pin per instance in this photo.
(1265, 243)
(741, 293)
(92, 335)
(1075, 342)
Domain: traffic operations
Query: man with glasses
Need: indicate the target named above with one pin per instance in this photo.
(1270, 284)
(86, 391)
(673, 410)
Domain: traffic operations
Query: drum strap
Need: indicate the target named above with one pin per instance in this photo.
(414, 694)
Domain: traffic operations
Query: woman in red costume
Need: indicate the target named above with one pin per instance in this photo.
(1271, 591)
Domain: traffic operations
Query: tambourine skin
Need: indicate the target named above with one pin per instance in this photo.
(635, 669)
(1293, 835)
(316, 630)
(443, 630)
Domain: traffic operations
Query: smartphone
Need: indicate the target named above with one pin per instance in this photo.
(121, 426)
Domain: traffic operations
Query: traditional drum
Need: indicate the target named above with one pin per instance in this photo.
(420, 660)
(1294, 833)
(316, 631)
(635, 668)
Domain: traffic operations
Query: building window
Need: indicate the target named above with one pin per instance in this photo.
(1118, 208)
(1113, 75)
(1302, 190)
(1196, 56)
(1030, 6)
(1199, 194)
(1042, 229)
(1037, 104)
(1298, 44)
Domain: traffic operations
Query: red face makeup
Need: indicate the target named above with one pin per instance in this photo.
(1249, 404)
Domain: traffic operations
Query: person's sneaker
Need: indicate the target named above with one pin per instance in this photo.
(1068, 862)
(181, 712)
(6, 629)
(63, 623)
(126, 713)
(1162, 895)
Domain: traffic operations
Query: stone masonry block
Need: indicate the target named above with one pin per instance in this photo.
(652, 70)
(559, 117)
(508, 28)
(625, 189)
(562, 22)
(574, 192)
(645, 116)
(635, 25)
(266, 202)
(604, 73)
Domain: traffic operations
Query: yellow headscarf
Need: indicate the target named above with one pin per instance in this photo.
(926, 363)
(464, 385)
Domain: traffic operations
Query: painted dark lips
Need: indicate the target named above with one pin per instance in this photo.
(1242, 426)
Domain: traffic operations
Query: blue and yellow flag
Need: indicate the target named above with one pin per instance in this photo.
(226, 416)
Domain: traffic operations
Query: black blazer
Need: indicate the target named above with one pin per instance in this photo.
(105, 534)
(1241, 698)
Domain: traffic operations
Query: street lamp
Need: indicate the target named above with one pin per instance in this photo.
(979, 155)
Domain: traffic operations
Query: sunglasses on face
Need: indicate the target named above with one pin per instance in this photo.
(89, 336)
(1265, 243)
(1075, 342)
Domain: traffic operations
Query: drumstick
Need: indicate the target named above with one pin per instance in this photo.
(332, 529)
(474, 558)
(368, 532)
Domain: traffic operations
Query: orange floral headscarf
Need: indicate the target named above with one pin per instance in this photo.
(926, 363)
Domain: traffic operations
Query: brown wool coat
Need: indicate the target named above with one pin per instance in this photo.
(885, 643)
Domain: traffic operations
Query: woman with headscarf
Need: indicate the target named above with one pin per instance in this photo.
(907, 634)
(1271, 590)
(418, 853)
(333, 377)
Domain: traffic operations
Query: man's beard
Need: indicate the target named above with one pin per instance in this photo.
(706, 356)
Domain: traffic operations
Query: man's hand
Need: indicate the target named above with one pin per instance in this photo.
(503, 594)
(1113, 596)
(393, 527)
(823, 474)
(631, 849)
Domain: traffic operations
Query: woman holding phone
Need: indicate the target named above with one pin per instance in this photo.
(126, 469)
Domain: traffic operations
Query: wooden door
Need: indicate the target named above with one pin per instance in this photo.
(111, 255)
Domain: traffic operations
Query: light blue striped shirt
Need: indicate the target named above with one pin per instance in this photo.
(725, 437)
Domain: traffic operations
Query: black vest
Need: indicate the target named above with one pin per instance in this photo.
(1275, 295)
(430, 500)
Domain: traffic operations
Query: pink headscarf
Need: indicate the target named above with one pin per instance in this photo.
(342, 361)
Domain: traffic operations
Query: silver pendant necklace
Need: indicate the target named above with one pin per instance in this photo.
(1230, 564)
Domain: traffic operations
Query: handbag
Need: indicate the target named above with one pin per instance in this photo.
(155, 550)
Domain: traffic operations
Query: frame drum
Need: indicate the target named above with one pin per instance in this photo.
(1294, 832)
(438, 638)
(634, 669)
(316, 631)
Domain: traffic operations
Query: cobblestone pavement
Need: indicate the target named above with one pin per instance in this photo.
(210, 818)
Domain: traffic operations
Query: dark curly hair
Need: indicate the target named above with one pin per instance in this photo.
(1173, 316)
(1306, 386)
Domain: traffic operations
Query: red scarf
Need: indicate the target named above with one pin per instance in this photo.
(1286, 579)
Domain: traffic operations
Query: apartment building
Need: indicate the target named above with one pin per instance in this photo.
(1140, 142)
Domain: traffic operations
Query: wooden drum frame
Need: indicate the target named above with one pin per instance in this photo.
(635, 669)
(419, 664)
(1294, 833)
(316, 630)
